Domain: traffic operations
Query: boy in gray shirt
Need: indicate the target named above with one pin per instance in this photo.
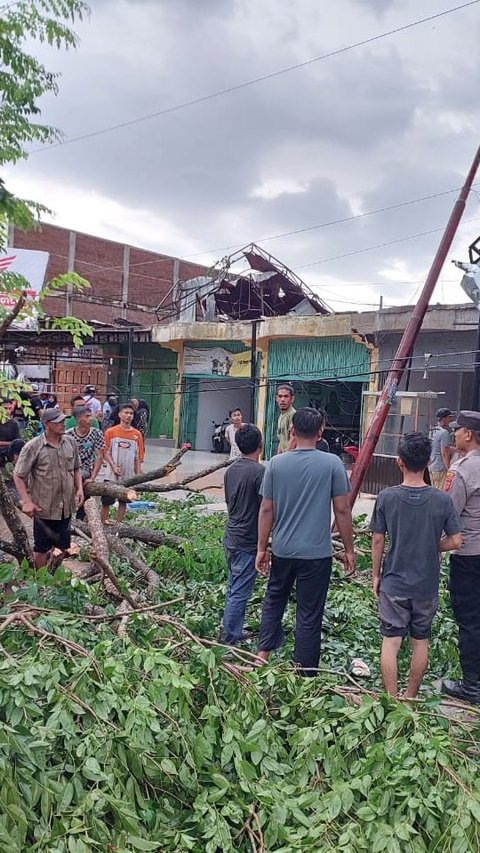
(414, 516)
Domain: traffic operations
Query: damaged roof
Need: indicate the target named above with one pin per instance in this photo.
(267, 288)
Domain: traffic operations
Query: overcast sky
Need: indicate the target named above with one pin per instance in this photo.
(371, 127)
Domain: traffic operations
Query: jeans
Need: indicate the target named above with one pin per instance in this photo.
(312, 578)
(465, 598)
(241, 580)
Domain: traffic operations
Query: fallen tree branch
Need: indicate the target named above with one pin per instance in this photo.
(179, 484)
(11, 549)
(145, 535)
(147, 574)
(111, 490)
(158, 473)
(100, 553)
(13, 522)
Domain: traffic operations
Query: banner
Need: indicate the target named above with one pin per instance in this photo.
(215, 361)
(32, 265)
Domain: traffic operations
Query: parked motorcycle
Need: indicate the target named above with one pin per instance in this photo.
(219, 441)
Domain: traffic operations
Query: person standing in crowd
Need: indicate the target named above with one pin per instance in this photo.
(110, 403)
(141, 416)
(298, 490)
(92, 402)
(78, 403)
(91, 446)
(243, 480)
(322, 443)
(440, 436)
(48, 480)
(406, 585)
(236, 418)
(125, 453)
(50, 402)
(10, 438)
(463, 485)
(284, 397)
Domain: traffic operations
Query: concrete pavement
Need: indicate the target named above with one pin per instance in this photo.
(212, 486)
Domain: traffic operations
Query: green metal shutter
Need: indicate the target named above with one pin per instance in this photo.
(309, 359)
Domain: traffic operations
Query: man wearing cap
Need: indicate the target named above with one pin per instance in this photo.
(463, 485)
(441, 452)
(48, 480)
(92, 403)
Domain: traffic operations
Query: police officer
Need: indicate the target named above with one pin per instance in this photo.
(463, 484)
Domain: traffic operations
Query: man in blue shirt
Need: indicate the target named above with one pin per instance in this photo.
(298, 490)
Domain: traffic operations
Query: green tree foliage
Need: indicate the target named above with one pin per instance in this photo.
(151, 742)
(23, 81)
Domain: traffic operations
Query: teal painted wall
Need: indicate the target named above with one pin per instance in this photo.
(154, 380)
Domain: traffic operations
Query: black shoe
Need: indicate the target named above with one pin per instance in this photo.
(467, 690)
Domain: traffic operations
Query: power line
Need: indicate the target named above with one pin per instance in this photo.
(304, 230)
(380, 245)
(331, 222)
(261, 79)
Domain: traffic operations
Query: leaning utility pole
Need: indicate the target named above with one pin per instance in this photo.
(405, 348)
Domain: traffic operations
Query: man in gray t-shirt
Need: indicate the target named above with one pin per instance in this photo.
(298, 490)
(405, 580)
(441, 439)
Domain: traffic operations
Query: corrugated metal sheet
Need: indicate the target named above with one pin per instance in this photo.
(309, 359)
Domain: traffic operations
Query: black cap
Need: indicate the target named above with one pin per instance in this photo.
(467, 419)
(443, 413)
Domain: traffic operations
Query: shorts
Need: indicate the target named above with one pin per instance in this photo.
(402, 616)
(51, 533)
(107, 501)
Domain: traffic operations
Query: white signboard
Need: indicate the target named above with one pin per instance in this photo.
(32, 265)
(215, 361)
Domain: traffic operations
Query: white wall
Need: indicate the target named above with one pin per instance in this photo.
(216, 397)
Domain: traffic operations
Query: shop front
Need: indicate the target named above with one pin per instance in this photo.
(327, 373)
(215, 379)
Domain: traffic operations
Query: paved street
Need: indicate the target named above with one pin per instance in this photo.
(212, 486)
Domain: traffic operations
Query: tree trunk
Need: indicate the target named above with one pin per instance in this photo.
(158, 473)
(99, 551)
(110, 490)
(147, 536)
(12, 520)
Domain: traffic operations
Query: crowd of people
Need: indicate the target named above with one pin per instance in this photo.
(55, 455)
(279, 522)
(292, 498)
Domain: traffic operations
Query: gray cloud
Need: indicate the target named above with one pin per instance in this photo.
(362, 130)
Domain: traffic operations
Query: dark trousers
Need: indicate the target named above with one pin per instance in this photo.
(465, 598)
(311, 578)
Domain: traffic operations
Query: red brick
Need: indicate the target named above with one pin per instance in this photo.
(101, 263)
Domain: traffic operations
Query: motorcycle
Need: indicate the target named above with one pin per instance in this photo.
(344, 446)
(219, 441)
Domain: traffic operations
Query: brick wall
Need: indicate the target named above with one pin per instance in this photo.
(150, 275)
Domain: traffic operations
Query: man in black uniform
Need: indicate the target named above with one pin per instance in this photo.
(463, 484)
(10, 438)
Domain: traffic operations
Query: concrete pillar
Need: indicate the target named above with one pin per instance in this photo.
(262, 348)
(177, 403)
(72, 240)
(125, 276)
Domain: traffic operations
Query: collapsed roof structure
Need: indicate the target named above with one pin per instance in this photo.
(262, 287)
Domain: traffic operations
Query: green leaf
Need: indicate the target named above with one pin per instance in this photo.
(143, 844)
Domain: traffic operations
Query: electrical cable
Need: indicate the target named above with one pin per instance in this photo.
(284, 234)
(381, 245)
(260, 79)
